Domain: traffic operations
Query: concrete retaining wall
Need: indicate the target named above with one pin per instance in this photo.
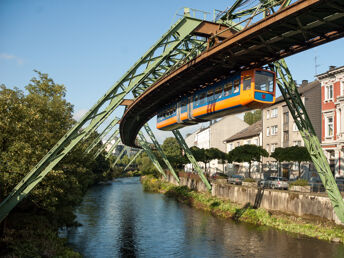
(299, 204)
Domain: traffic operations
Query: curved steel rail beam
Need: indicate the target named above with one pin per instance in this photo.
(298, 27)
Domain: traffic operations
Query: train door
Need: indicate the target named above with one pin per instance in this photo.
(179, 120)
(190, 108)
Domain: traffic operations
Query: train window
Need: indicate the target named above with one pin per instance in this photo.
(210, 95)
(184, 106)
(247, 82)
(218, 92)
(228, 89)
(202, 98)
(264, 81)
(236, 86)
(196, 100)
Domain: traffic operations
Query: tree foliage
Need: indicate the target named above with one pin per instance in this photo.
(30, 125)
(247, 153)
(253, 116)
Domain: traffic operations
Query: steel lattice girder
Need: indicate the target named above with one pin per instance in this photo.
(150, 154)
(133, 159)
(163, 156)
(191, 158)
(125, 149)
(291, 96)
(103, 146)
(103, 134)
(101, 110)
(112, 148)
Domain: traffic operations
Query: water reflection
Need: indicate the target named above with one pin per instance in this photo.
(120, 220)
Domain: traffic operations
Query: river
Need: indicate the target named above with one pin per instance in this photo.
(121, 220)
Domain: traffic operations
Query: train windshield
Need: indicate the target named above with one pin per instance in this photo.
(264, 81)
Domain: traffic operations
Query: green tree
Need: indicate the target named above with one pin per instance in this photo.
(280, 155)
(251, 117)
(173, 152)
(248, 153)
(298, 154)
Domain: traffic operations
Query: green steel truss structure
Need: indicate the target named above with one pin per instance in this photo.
(174, 48)
(292, 97)
(133, 159)
(168, 50)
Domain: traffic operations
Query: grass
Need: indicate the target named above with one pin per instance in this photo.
(317, 229)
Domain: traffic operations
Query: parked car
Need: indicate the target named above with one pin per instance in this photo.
(279, 183)
(235, 179)
(218, 175)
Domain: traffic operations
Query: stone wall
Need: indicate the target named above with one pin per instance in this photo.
(299, 204)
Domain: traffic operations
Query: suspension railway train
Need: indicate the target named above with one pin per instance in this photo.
(251, 89)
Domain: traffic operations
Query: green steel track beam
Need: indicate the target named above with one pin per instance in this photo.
(157, 145)
(103, 146)
(103, 134)
(135, 76)
(191, 157)
(133, 159)
(150, 154)
(292, 97)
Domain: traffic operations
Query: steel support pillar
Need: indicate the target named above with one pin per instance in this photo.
(291, 96)
(103, 146)
(125, 149)
(133, 159)
(112, 148)
(157, 145)
(191, 157)
(150, 154)
(103, 134)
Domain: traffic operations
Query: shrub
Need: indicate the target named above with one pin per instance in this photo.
(249, 180)
(300, 182)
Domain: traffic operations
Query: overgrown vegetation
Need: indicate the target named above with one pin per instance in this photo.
(246, 213)
(31, 122)
(299, 182)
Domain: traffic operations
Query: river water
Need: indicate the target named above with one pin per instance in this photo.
(120, 220)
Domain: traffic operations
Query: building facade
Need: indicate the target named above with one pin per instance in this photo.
(332, 114)
(280, 130)
(250, 135)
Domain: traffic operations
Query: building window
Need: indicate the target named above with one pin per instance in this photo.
(342, 88)
(328, 92)
(273, 147)
(267, 114)
(238, 144)
(268, 131)
(230, 146)
(268, 148)
(255, 142)
(274, 112)
(329, 126)
(248, 142)
(286, 137)
(297, 143)
(274, 130)
(295, 129)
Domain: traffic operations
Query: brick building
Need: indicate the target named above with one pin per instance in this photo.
(332, 114)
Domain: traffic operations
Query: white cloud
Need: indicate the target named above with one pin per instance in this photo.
(79, 114)
(5, 56)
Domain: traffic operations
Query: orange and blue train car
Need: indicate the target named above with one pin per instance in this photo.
(247, 90)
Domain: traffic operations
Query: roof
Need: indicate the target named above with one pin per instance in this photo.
(253, 130)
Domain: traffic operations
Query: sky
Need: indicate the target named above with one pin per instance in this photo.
(88, 45)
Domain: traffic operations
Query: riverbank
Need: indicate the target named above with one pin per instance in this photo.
(224, 208)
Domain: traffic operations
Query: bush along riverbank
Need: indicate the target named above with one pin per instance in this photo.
(224, 208)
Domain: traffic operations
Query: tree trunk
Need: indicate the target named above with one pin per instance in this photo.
(299, 170)
(249, 169)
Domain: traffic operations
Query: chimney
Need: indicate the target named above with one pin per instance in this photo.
(304, 82)
(332, 67)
